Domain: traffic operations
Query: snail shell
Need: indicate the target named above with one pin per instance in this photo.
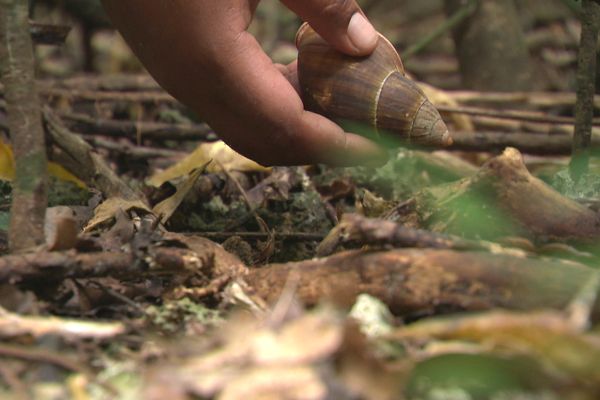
(371, 89)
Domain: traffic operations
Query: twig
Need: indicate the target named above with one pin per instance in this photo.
(513, 115)
(379, 232)
(153, 97)
(56, 266)
(12, 324)
(294, 236)
(530, 143)
(148, 130)
(536, 99)
(132, 151)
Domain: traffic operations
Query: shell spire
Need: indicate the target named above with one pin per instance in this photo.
(371, 89)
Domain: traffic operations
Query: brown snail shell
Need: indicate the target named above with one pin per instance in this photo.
(371, 89)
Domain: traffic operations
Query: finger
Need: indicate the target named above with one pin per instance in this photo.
(339, 22)
(266, 103)
(290, 72)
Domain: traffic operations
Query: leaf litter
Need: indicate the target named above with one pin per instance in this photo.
(440, 275)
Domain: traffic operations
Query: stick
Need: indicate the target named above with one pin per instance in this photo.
(148, 130)
(514, 115)
(530, 143)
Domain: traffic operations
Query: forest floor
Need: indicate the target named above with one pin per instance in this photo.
(176, 267)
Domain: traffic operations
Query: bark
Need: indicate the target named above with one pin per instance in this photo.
(504, 199)
(586, 74)
(29, 195)
(491, 48)
(421, 281)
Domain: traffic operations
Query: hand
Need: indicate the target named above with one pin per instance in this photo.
(200, 52)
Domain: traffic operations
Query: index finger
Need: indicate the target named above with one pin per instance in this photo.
(261, 100)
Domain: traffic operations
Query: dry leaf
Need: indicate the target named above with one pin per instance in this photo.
(7, 167)
(223, 157)
(167, 207)
(548, 336)
(109, 208)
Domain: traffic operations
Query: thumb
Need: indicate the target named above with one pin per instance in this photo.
(340, 22)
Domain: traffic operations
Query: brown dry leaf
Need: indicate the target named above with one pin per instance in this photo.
(167, 207)
(548, 336)
(223, 157)
(110, 207)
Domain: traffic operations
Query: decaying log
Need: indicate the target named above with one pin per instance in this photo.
(421, 281)
(523, 202)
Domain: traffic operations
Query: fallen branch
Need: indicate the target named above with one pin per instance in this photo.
(511, 114)
(56, 266)
(504, 199)
(536, 99)
(421, 281)
(132, 129)
(132, 151)
(354, 228)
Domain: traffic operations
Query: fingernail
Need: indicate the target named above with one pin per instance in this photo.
(361, 33)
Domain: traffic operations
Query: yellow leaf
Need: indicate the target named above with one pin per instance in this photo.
(7, 167)
(7, 162)
(165, 209)
(107, 210)
(223, 158)
(60, 172)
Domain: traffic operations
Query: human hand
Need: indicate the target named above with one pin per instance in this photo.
(200, 52)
